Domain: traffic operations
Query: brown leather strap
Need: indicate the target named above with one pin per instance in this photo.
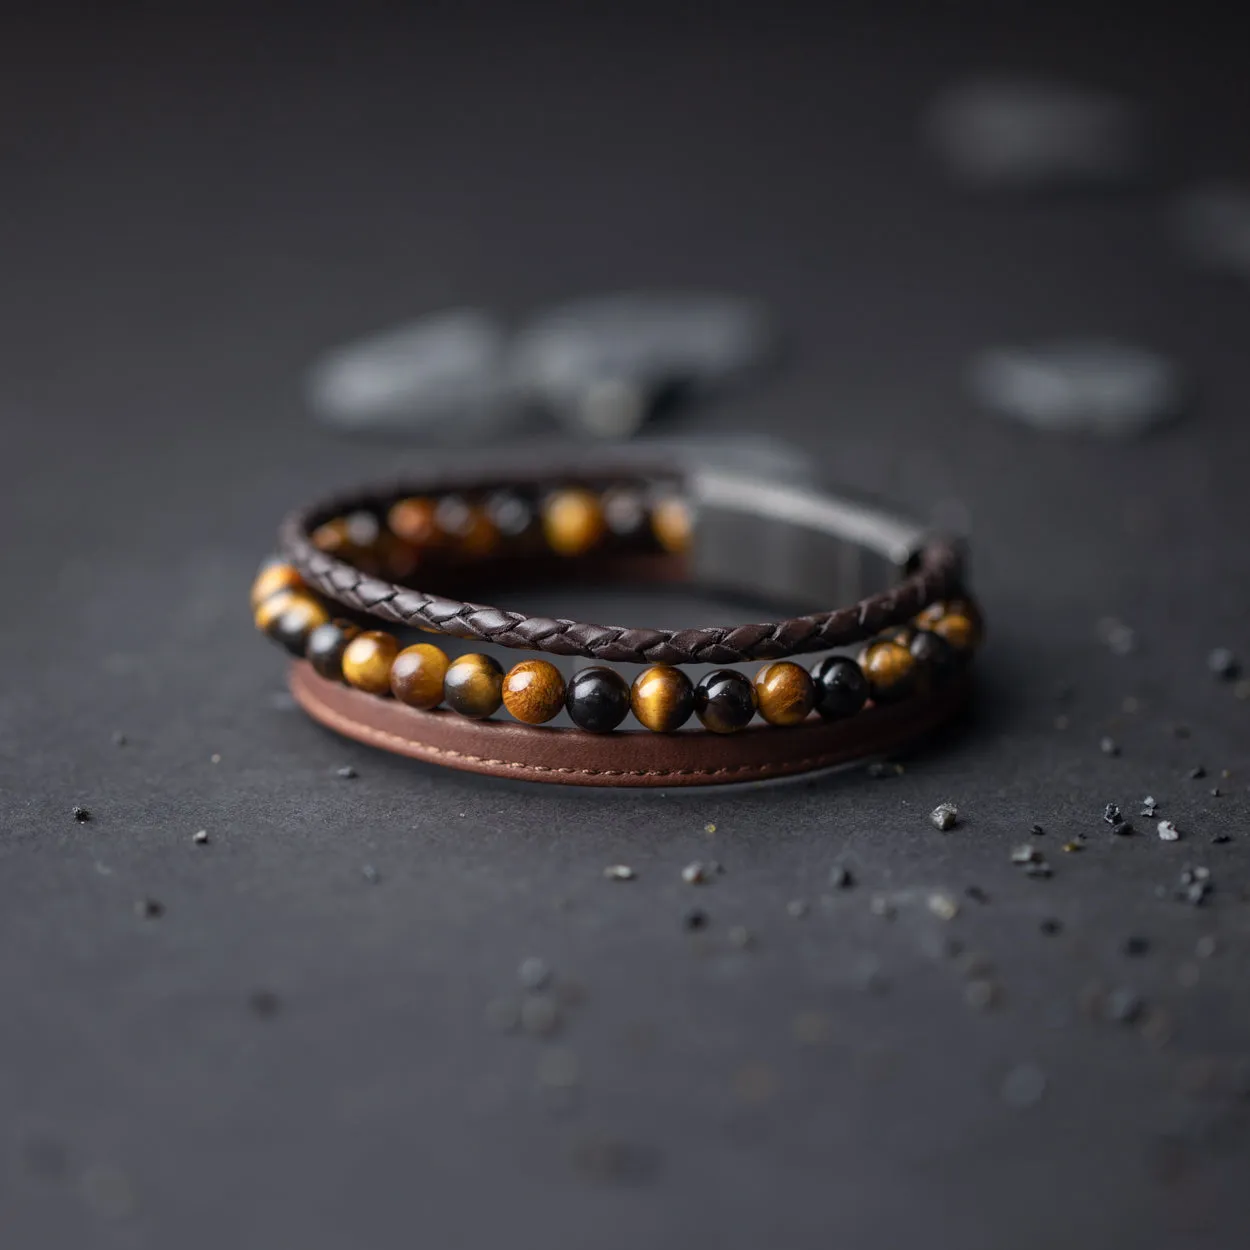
(573, 757)
(936, 571)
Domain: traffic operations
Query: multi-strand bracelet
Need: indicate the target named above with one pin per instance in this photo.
(352, 560)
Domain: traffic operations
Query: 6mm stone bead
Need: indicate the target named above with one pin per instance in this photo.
(662, 698)
(417, 675)
(597, 699)
(785, 693)
(473, 686)
(725, 701)
(533, 691)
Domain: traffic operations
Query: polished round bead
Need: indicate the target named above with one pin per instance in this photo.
(417, 675)
(841, 687)
(273, 577)
(267, 611)
(413, 520)
(473, 686)
(294, 625)
(934, 656)
(533, 691)
(672, 524)
(367, 661)
(662, 698)
(511, 514)
(573, 521)
(890, 669)
(725, 701)
(597, 698)
(325, 647)
(959, 631)
(784, 692)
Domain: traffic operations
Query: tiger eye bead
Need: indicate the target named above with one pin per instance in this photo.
(890, 669)
(959, 631)
(274, 577)
(597, 699)
(417, 675)
(671, 523)
(533, 691)
(573, 522)
(841, 687)
(325, 647)
(367, 661)
(784, 692)
(473, 686)
(413, 520)
(302, 608)
(934, 656)
(725, 701)
(662, 698)
(293, 626)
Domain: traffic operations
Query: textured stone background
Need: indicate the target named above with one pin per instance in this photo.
(192, 208)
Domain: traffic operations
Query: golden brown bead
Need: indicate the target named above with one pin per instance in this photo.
(367, 661)
(332, 537)
(671, 523)
(573, 521)
(785, 693)
(890, 669)
(473, 686)
(533, 691)
(273, 578)
(479, 535)
(417, 674)
(964, 608)
(662, 698)
(413, 521)
(958, 630)
(297, 602)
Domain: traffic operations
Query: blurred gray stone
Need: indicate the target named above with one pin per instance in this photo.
(1108, 389)
(1212, 225)
(602, 364)
(599, 365)
(435, 371)
(1029, 135)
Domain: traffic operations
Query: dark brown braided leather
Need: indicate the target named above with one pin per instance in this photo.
(936, 576)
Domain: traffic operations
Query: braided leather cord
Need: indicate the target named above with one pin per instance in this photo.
(936, 576)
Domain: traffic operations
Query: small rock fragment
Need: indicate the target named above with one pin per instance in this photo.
(694, 919)
(944, 816)
(698, 873)
(370, 874)
(943, 906)
(1221, 837)
(1111, 814)
(1109, 746)
(1023, 1086)
(1036, 830)
(1223, 664)
(709, 827)
(1149, 806)
(1025, 854)
(619, 872)
(1197, 773)
(200, 837)
(1122, 829)
(80, 814)
(977, 894)
(981, 993)
(840, 877)
(1071, 848)
(347, 772)
(149, 909)
(1168, 832)
(1124, 1006)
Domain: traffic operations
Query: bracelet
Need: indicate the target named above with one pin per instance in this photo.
(617, 521)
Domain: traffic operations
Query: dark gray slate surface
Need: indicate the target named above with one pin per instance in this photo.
(191, 211)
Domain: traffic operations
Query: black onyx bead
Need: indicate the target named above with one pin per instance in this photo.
(935, 656)
(841, 687)
(597, 699)
(725, 701)
(325, 647)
